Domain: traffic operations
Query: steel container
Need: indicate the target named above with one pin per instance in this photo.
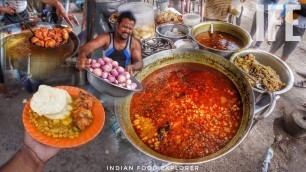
(163, 28)
(105, 87)
(234, 30)
(267, 59)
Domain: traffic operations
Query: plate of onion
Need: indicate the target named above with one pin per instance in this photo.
(105, 75)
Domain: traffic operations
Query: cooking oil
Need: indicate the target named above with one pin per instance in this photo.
(45, 63)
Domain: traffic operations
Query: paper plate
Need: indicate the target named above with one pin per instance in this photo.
(85, 136)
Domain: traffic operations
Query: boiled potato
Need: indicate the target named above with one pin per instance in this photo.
(148, 35)
(135, 32)
(146, 28)
(144, 32)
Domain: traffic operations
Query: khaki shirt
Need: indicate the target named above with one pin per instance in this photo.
(217, 9)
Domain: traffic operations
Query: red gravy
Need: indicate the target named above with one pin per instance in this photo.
(186, 110)
(219, 40)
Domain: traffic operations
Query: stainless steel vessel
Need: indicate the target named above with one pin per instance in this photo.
(164, 58)
(162, 29)
(111, 89)
(237, 31)
(267, 59)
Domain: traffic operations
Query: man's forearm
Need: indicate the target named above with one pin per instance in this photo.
(137, 65)
(53, 3)
(25, 160)
(86, 49)
(83, 52)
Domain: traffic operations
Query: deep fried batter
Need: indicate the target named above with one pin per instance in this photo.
(82, 117)
(50, 37)
(84, 100)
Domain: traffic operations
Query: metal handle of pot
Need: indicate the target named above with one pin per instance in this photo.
(261, 114)
(189, 35)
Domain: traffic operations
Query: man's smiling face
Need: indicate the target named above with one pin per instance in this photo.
(124, 28)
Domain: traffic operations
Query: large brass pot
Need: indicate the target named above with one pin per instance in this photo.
(237, 31)
(164, 58)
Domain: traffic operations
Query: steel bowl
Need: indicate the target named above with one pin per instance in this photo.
(237, 31)
(154, 45)
(111, 89)
(163, 28)
(267, 59)
(186, 43)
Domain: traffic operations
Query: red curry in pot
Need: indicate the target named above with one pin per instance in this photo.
(219, 40)
(186, 110)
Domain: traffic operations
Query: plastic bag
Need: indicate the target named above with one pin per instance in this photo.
(11, 75)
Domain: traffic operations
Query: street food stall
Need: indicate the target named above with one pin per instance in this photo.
(197, 97)
(152, 119)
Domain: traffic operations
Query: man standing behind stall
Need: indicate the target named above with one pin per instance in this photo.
(266, 4)
(298, 30)
(119, 45)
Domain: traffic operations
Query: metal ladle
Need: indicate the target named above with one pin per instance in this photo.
(259, 85)
(212, 28)
(25, 23)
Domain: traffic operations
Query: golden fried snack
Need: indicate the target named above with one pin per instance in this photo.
(82, 118)
(43, 29)
(50, 38)
(45, 34)
(38, 34)
(84, 100)
(65, 34)
(46, 39)
(58, 40)
(50, 43)
(51, 34)
(34, 39)
(68, 29)
(40, 43)
(168, 17)
(57, 30)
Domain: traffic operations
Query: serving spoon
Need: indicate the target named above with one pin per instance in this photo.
(212, 28)
(259, 85)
